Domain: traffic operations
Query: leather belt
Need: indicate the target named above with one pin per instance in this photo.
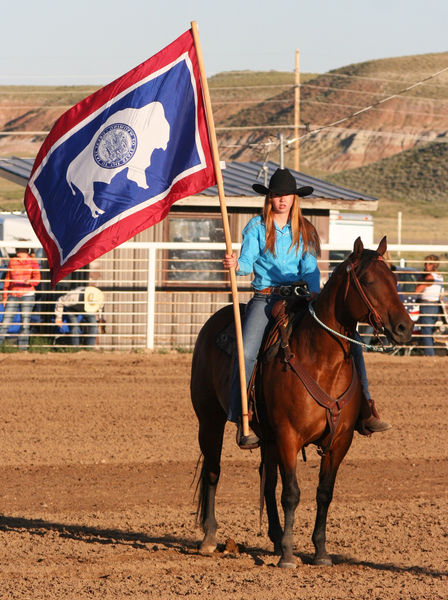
(282, 290)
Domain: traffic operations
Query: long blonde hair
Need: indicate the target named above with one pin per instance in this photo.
(300, 228)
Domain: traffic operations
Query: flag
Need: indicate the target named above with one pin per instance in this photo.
(114, 163)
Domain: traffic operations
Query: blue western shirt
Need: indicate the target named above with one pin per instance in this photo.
(286, 267)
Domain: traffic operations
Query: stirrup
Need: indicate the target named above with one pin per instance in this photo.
(246, 442)
(372, 425)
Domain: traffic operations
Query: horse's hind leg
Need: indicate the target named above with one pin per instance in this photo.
(269, 468)
(328, 470)
(210, 441)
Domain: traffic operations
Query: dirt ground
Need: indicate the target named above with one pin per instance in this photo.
(96, 497)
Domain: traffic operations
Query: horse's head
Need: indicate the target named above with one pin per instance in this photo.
(370, 293)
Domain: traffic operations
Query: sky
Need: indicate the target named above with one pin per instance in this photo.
(61, 42)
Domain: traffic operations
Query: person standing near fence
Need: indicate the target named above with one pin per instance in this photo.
(19, 289)
(430, 291)
(81, 307)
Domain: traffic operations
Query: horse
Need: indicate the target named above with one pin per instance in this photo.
(362, 288)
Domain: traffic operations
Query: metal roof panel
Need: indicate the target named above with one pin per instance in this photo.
(238, 179)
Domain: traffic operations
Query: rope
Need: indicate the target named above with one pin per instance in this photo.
(353, 341)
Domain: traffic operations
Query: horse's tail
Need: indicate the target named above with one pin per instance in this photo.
(262, 473)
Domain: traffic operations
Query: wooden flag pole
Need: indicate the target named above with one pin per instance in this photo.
(225, 220)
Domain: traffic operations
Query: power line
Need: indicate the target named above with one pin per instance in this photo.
(367, 93)
(367, 108)
(417, 137)
(345, 75)
(383, 110)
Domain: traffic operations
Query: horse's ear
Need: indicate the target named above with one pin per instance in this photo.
(358, 247)
(382, 247)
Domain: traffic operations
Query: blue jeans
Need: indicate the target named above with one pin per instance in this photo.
(360, 364)
(256, 321)
(429, 313)
(15, 304)
(88, 326)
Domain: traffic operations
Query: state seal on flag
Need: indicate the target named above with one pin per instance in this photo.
(115, 146)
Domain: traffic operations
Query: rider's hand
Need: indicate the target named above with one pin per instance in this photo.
(230, 261)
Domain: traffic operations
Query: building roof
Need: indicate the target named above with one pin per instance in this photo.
(239, 176)
(16, 169)
(238, 179)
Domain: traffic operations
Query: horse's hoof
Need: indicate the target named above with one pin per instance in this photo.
(286, 564)
(325, 561)
(207, 549)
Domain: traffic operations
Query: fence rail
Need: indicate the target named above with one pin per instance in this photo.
(159, 294)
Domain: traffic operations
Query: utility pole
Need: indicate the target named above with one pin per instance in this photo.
(297, 111)
(282, 151)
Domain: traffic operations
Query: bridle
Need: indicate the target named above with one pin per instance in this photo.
(374, 317)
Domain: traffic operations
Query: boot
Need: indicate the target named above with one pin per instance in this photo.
(369, 421)
(246, 442)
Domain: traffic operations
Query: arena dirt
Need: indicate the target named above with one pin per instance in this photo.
(96, 497)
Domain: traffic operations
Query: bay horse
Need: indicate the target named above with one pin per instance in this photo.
(362, 288)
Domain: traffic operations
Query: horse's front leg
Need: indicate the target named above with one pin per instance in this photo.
(269, 469)
(327, 476)
(290, 499)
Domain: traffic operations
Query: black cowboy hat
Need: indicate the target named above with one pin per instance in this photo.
(282, 183)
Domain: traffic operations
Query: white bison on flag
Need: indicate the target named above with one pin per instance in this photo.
(125, 141)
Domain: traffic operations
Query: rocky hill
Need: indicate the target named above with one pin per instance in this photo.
(405, 121)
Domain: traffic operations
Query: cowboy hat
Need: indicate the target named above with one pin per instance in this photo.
(93, 299)
(282, 183)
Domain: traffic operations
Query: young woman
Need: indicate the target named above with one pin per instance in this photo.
(430, 291)
(280, 247)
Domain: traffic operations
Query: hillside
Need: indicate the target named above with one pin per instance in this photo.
(418, 116)
(417, 177)
(414, 183)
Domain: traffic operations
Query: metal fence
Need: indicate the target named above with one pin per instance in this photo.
(158, 295)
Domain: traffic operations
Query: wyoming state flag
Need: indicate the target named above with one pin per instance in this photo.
(114, 164)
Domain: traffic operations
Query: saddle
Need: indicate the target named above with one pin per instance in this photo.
(286, 315)
(289, 312)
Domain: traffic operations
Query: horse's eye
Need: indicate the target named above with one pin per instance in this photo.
(367, 280)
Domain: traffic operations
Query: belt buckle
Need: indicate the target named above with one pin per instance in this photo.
(284, 290)
(301, 289)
